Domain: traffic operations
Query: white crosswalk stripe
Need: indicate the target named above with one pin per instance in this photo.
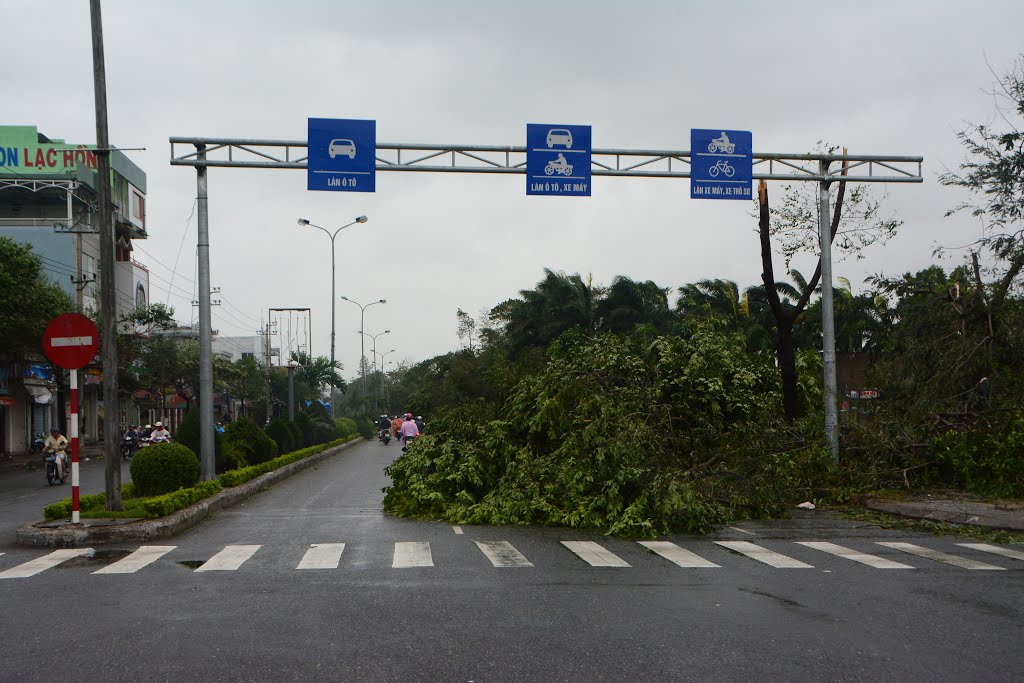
(411, 554)
(954, 560)
(995, 550)
(846, 553)
(502, 554)
(229, 559)
(146, 555)
(595, 555)
(322, 556)
(41, 564)
(769, 557)
(680, 556)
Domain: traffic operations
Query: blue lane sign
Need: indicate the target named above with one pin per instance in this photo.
(721, 164)
(558, 160)
(342, 155)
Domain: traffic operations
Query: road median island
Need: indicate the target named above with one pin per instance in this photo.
(168, 517)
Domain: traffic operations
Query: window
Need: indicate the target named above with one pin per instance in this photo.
(139, 207)
(246, 356)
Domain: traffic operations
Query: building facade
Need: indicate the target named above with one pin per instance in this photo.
(48, 200)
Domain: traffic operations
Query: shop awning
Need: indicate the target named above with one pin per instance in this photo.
(39, 394)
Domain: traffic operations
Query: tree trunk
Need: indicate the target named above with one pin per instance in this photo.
(787, 367)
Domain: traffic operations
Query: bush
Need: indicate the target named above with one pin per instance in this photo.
(244, 436)
(188, 435)
(366, 428)
(346, 427)
(282, 436)
(164, 467)
(296, 433)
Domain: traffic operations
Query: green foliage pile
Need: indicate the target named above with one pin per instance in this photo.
(244, 436)
(164, 467)
(240, 476)
(632, 436)
(346, 427)
(987, 459)
(282, 436)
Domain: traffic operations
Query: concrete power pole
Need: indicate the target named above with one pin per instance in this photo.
(108, 288)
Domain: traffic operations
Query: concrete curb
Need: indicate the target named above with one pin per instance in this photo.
(984, 515)
(142, 530)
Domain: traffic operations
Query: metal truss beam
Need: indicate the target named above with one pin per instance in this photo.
(630, 163)
(37, 185)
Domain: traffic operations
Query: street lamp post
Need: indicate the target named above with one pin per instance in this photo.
(362, 347)
(380, 377)
(292, 364)
(332, 235)
(374, 338)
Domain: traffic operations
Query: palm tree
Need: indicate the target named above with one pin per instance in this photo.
(559, 303)
(628, 303)
(318, 373)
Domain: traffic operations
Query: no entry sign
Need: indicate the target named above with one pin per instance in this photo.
(71, 341)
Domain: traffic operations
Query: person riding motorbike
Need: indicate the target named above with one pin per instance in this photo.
(396, 427)
(383, 425)
(419, 423)
(160, 433)
(409, 430)
(57, 443)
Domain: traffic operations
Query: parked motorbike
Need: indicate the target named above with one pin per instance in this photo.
(38, 444)
(56, 467)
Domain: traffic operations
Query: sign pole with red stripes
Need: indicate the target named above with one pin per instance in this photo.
(75, 519)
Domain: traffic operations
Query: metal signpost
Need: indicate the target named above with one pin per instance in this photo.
(204, 153)
(71, 342)
(558, 160)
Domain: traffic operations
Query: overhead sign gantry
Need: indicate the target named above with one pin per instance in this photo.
(721, 165)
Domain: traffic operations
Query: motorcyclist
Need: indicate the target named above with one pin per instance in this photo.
(409, 430)
(57, 443)
(396, 426)
(383, 425)
(419, 423)
(160, 433)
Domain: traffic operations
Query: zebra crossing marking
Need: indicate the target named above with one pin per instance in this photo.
(846, 553)
(680, 556)
(412, 554)
(41, 564)
(927, 553)
(502, 554)
(229, 559)
(322, 556)
(595, 555)
(995, 550)
(145, 555)
(768, 557)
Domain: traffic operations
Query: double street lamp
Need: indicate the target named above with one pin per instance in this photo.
(332, 235)
(362, 347)
(381, 380)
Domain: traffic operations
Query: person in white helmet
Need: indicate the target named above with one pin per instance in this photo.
(160, 433)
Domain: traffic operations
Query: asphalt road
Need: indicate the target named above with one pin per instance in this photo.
(464, 619)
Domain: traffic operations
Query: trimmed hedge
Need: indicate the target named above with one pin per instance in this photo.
(236, 477)
(161, 506)
(164, 467)
(346, 427)
(62, 508)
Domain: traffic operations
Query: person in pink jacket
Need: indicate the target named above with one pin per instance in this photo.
(409, 430)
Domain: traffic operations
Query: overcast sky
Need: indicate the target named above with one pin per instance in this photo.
(892, 77)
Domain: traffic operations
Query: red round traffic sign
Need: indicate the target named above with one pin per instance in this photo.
(71, 341)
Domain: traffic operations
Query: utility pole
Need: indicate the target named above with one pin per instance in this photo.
(266, 339)
(108, 288)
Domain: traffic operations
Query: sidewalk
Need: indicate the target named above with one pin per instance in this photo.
(1009, 516)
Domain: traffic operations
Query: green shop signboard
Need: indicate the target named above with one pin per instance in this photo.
(22, 154)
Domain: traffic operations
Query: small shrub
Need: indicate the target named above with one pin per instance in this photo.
(296, 432)
(366, 428)
(164, 467)
(230, 457)
(244, 436)
(346, 427)
(279, 432)
(188, 435)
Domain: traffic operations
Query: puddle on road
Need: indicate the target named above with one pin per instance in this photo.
(191, 564)
(104, 556)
